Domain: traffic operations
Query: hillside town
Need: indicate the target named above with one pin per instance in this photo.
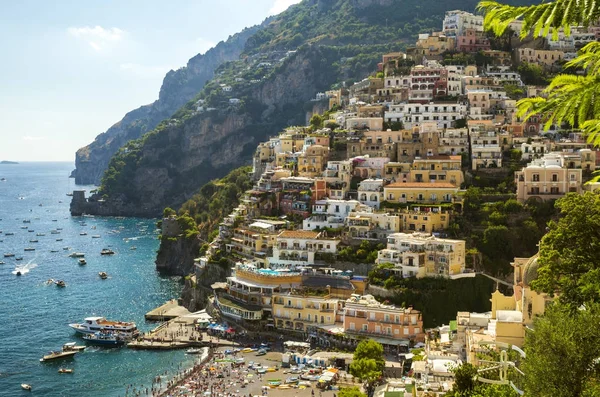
(386, 169)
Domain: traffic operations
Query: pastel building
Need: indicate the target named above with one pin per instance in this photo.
(372, 225)
(329, 213)
(420, 255)
(298, 247)
(387, 324)
(420, 192)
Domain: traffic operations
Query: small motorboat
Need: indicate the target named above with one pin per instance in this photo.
(133, 248)
(40, 234)
(65, 370)
(60, 283)
(33, 241)
(66, 248)
(59, 239)
(58, 355)
(9, 255)
(19, 258)
(2, 263)
(19, 273)
(9, 234)
(29, 249)
(82, 261)
(103, 275)
(31, 230)
(193, 351)
(77, 255)
(96, 236)
(106, 251)
(83, 234)
(25, 386)
(53, 251)
(54, 232)
(72, 346)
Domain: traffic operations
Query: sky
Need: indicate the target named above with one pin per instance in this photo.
(70, 69)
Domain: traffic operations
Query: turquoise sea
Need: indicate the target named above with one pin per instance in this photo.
(34, 315)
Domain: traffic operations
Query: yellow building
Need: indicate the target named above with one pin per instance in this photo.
(312, 161)
(421, 192)
(421, 254)
(427, 219)
(512, 314)
(372, 225)
(544, 58)
(300, 312)
(254, 240)
(440, 168)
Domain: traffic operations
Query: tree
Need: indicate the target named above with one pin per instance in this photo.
(351, 392)
(369, 349)
(464, 378)
(316, 122)
(568, 261)
(168, 212)
(569, 98)
(368, 363)
(562, 353)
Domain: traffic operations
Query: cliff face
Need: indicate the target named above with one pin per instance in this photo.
(176, 257)
(178, 87)
(167, 167)
(197, 289)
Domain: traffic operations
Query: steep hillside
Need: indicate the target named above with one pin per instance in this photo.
(178, 87)
(250, 99)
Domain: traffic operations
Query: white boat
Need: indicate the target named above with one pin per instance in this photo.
(82, 261)
(193, 351)
(25, 386)
(54, 232)
(92, 325)
(96, 236)
(72, 346)
(77, 255)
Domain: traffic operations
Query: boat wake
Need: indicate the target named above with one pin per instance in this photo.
(25, 268)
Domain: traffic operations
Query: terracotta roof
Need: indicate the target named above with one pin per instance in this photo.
(304, 234)
(418, 185)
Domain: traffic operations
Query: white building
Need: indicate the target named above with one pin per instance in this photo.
(370, 192)
(534, 149)
(329, 213)
(453, 141)
(457, 22)
(486, 150)
(421, 254)
(413, 114)
(298, 248)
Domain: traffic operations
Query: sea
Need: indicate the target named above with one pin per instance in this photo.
(35, 313)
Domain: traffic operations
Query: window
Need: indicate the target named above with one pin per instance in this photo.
(365, 327)
(372, 316)
(417, 330)
(535, 177)
(352, 326)
(386, 318)
(406, 331)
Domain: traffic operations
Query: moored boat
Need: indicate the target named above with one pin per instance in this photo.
(193, 351)
(58, 355)
(96, 236)
(103, 275)
(105, 339)
(60, 283)
(29, 249)
(9, 255)
(73, 346)
(106, 251)
(77, 255)
(25, 386)
(82, 261)
(92, 325)
(65, 370)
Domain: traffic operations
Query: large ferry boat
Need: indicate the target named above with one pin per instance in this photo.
(92, 325)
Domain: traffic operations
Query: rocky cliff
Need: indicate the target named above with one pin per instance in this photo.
(197, 288)
(178, 87)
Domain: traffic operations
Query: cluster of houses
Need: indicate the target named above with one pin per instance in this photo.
(389, 167)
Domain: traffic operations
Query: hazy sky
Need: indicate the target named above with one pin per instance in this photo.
(69, 69)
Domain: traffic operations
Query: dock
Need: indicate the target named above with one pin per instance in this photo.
(168, 311)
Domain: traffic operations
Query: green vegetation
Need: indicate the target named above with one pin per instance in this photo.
(500, 229)
(437, 298)
(368, 363)
(351, 392)
(532, 74)
(216, 199)
(562, 353)
(366, 252)
(465, 385)
(568, 261)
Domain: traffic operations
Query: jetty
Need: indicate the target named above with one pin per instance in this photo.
(167, 311)
(180, 332)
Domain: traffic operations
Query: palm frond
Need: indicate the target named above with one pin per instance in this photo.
(591, 129)
(540, 19)
(588, 58)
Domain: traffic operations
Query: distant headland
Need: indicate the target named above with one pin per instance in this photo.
(8, 162)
